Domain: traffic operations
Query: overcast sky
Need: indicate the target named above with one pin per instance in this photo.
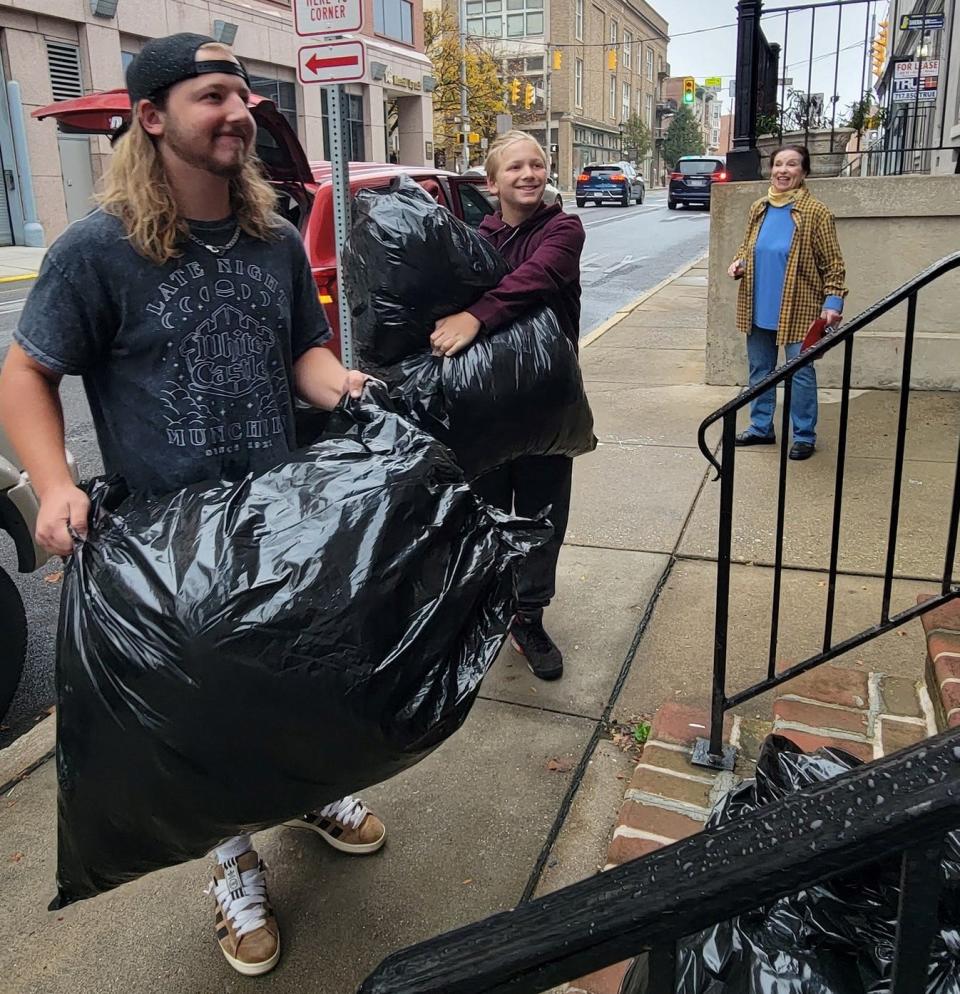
(713, 53)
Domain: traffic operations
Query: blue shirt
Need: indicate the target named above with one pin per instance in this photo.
(770, 267)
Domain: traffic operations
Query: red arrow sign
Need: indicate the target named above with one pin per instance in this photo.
(315, 65)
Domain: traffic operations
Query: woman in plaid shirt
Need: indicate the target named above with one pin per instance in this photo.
(791, 273)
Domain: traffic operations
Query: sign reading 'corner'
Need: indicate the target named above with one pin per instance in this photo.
(327, 17)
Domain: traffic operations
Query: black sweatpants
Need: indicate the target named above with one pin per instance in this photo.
(526, 487)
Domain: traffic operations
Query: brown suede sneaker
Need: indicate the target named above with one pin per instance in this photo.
(348, 825)
(246, 928)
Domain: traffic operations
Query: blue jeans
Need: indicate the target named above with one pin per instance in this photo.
(762, 355)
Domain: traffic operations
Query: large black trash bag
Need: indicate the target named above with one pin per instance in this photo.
(407, 263)
(835, 938)
(234, 655)
(514, 393)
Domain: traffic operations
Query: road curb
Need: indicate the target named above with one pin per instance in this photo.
(25, 278)
(624, 312)
(26, 753)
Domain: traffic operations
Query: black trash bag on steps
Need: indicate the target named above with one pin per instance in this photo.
(407, 263)
(234, 655)
(516, 392)
(835, 938)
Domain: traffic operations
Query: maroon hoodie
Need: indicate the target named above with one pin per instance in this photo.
(544, 251)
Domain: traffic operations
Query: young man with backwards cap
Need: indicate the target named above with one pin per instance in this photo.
(188, 307)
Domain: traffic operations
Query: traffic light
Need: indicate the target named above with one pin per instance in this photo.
(880, 49)
(689, 89)
(557, 59)
(515, 91)
(528, 96)
(612, 60)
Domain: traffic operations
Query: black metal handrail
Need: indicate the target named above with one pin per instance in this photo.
(903, 804)
(712, 753)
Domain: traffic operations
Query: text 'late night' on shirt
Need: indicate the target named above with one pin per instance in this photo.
(188, 366)
(770, 267)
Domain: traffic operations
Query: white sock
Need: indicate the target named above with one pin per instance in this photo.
(234, 847)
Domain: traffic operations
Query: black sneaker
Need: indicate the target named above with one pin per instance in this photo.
(528, 637)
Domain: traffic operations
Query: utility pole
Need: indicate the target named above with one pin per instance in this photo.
(546, 104)
(464, 113)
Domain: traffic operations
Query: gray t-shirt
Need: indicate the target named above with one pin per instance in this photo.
(188, 367)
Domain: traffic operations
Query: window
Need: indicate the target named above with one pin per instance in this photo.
(283, 95)
(578, 82)
(613, 97)
(494, 6)
(494, 27)
(475, 27)
(474, 204)
(627, 50)
(578, 20)
(394, 19)
(534, 24)
(126, 58)
(515, 25)
(650, 63)
(625, 103)
(474, 7)
(355, 148)
(650, 111)
(614, 30)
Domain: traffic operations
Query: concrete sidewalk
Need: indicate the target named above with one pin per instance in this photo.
(525, 798)
(19, 264)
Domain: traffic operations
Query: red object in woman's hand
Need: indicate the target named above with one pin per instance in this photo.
(814, 334)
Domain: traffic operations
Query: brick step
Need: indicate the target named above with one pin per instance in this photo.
(942, 628)
(867, 714)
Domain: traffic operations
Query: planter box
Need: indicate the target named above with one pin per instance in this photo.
(823, 162)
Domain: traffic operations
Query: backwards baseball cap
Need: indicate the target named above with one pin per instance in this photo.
(165, 61)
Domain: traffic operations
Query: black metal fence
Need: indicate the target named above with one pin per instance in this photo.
(711, 753)
(865, 95)
(902, 805)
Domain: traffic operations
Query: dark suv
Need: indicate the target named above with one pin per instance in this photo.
(692, 179)
(617, 183)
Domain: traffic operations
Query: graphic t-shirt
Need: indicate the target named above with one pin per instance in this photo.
(188, 367)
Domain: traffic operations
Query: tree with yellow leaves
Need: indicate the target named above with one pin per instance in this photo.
(484, 86)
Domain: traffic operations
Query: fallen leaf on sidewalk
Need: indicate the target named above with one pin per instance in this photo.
(16, 857)
(560, 766)
(54, 577)
(469, 880)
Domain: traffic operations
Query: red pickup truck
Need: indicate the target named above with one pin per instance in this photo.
(305, 188)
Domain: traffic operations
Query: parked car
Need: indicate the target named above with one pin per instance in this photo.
(616, 182)
(305, 188)
(18, 519)
(551, 193)
(693, 178)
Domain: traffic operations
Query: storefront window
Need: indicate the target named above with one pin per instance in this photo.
(394, 19)
(355, 146)
(283, 95)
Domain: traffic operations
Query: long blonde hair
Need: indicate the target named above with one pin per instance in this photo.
(135, 189)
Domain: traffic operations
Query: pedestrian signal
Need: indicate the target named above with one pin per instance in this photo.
(689, 90)
(528, 96)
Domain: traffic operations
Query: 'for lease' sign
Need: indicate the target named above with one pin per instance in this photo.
(327, 17)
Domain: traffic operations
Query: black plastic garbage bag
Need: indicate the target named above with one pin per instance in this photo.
(835, 938)
(407, 263)
(234, 655)
(515, 393)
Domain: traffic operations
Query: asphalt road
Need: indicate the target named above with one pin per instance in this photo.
(627, 251)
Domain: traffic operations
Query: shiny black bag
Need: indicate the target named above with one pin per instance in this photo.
(517, 392)
(237, 654)
(835, 938)
(407, 263)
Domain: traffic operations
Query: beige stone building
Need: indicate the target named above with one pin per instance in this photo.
(59, 49)
(586, 99)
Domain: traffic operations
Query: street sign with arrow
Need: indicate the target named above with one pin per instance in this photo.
(334, 62)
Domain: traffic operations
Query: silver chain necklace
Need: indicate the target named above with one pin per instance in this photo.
(217, 249)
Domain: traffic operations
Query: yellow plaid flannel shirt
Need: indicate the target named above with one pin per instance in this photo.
(815, 268)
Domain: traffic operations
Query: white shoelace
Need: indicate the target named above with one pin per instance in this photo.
(244, 905)
(349, 810)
